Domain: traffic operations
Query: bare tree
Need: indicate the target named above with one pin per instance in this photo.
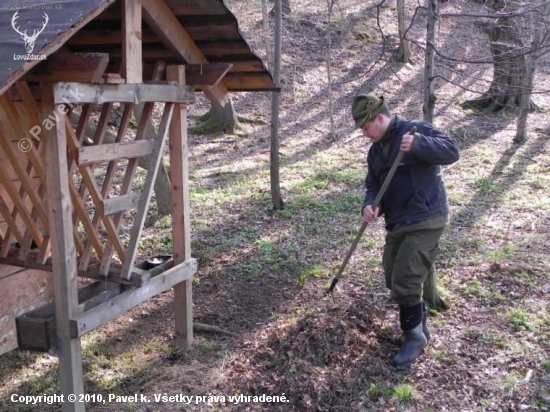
(429, 94)
(330, 4)
(539, 30)
(510, 61)
(276, 197)
(404, 51)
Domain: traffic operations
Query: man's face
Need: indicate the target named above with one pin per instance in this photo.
(374, 129)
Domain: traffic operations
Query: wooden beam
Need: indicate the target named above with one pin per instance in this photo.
(63, 254)
(70, 67)
(147, 190)
(112, 151)
(162, 20)
(207, 74)
(87, 321)
(131, 45)
(138, 278)
(120, 204)
(181, 221)
(124, 93)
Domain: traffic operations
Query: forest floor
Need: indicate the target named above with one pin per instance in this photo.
(262, 274)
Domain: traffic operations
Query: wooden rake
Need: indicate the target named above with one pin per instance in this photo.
(364, 225)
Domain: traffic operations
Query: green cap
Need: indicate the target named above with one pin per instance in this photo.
(365, 107)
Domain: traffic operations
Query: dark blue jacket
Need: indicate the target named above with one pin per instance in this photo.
(416, 192)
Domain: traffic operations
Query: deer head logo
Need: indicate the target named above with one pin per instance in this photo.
(29, 40)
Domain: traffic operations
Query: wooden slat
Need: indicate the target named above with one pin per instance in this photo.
(120, 204)
(106, 187)
(21, 208)
(63, 251)
(181, 222)
(70, 67)
(112, 151)
(91, 319)
(88, 178)
(5, 212)
(124, 93)
(9, 119)
(160, 18)
(147, 190)
(36, 158)
(132, 165)
(131, 45)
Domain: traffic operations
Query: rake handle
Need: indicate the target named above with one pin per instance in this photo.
(375, 204)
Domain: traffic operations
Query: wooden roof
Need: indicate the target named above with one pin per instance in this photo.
(95, 26)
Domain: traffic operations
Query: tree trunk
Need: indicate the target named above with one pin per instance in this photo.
(218, 119)
(509, 65)
(404, 51)
(276, 197)
(330, 3)
(429, 95)
(538, 31)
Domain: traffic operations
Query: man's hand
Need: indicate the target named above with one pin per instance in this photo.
(368, 214)
(407, 142)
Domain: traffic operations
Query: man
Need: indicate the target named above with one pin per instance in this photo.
(414, 206)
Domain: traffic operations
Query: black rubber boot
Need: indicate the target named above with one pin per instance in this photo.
(425, 329)
(415, 341)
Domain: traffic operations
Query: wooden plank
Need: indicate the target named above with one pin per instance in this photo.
(147, 190)
(120, 204)
(138, 278)
(112, 151)
(87, 321)
(63, 252)
(131, 45)
(181, 221)
(249, 82)
(124, 93)
(69, 67)
(160, 18)
(207, 74)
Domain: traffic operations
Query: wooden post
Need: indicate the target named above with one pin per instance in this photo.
(131, 47)
(181, 228)
(63, 252)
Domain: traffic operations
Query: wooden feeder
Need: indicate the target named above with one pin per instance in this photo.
(59, 219)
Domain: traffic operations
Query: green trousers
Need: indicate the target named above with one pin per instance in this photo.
(409, 255)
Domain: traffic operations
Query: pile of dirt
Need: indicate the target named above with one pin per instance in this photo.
(328, 358)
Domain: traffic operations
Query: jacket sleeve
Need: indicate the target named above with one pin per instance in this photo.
(432, 146)
(371, 182)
